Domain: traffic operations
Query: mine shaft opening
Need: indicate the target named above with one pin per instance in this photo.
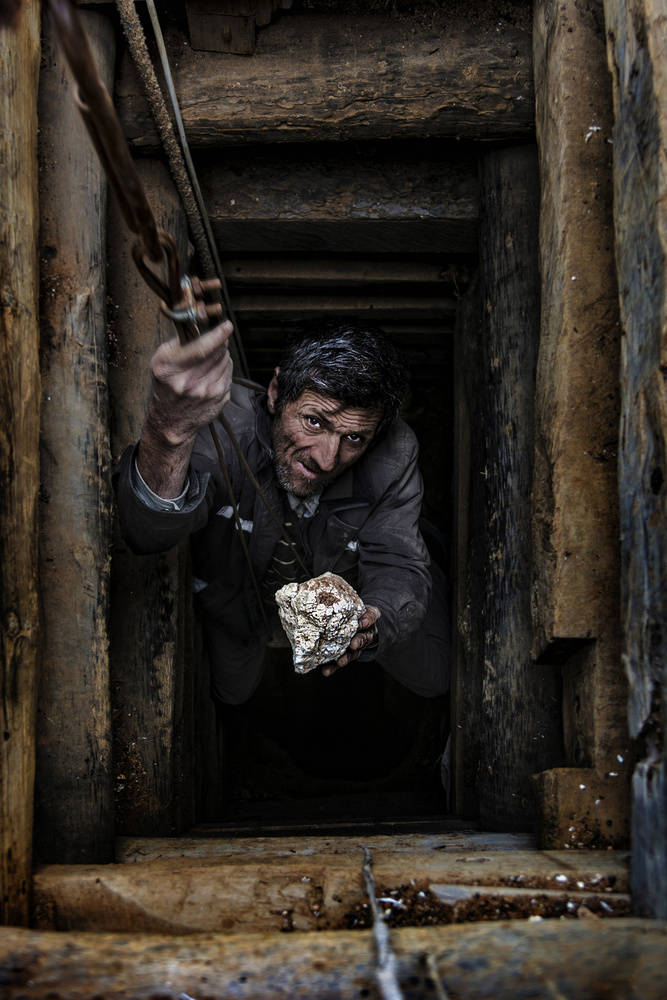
(357, 747)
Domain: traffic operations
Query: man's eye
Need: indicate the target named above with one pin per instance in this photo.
(312, 421)
(354, 438)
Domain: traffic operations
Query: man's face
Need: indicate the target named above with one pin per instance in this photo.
(315, 439)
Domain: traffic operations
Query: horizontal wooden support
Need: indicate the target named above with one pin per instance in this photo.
(272, 893)
(357, 236)
(272, 273)
(433, 181)
(207, 847)
(422, 335)
(543, 960)
(272, 307)
(327, 77)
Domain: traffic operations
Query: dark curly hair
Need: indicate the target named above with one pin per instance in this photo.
(349, 361)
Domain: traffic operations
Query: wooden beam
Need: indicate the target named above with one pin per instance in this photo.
(73, 797)
(328, 77)
(229, 25)
(273, 307)
(150, 603)
(351, 236)
(329, 183)
(636, 46)
(323, 890)
(576, 553)
(544, 960)
(19, 454)
(309, 274)
(136, 850)
(576, 506)
(520, 712)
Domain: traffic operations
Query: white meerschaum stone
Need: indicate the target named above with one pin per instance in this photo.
(320, 617)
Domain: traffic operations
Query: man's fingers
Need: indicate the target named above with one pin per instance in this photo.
(200, 355)
(370, 616)
(367, 633)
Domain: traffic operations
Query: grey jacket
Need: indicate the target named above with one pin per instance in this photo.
(365, 529)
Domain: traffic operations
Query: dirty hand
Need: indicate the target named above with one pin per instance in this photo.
(191, 384)
(367, 633)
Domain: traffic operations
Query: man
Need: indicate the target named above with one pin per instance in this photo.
(338, 468)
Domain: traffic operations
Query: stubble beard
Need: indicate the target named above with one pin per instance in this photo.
(283, 456)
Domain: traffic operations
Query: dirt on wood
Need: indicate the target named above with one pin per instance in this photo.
(416, 905)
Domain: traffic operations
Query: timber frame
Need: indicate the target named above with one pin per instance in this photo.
(538, 248)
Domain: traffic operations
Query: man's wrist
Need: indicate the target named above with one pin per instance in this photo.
(161, 434)
(152, 499)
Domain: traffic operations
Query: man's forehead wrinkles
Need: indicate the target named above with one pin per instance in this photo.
(356, 419)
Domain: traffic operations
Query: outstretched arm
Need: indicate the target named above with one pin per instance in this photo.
(191, 384)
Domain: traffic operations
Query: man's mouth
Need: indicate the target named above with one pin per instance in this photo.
(306, 471)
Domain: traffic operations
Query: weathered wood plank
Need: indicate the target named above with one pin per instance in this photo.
(352, 236)
(543, 960)
(576, 554)
(576, 511)
(73, 797)
(272, 273)
(580, 807)
(637, 36)
(391, 182)
(229, 26)
(132, 850)
(150, 595)
(520, 712)
(317, 891)
(273, 307)
(19, 454)
(470, 556)
(331, 77)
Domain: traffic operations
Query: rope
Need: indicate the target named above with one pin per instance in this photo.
(387, 963)
(136, 40)
(202, 235)
(166, 69)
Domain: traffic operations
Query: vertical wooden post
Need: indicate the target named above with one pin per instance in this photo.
(469, 562)
(521, 713)
(576, 556)
(19, 454)
(150, 599)
(636, 48)
(73, 804)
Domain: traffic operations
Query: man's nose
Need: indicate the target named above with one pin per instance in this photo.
(325, 452)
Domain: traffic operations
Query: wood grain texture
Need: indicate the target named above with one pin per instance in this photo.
(239, 894)
(329, 77)
(421, 201)
(73, 800)
(576, 552)
(637, 36)
(468, 557)
(542, 960)
(330, 182)
(150, 595)
(247, 887)
(520, 702)
(19, 454)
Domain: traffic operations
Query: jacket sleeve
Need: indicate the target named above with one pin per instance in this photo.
(147, 530)
(393, 559)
